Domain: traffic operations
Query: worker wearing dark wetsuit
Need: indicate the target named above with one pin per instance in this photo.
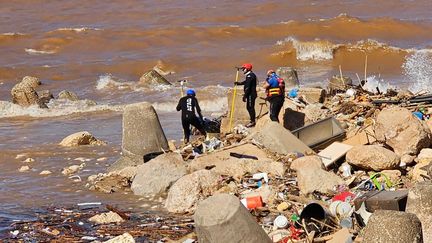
(188, 104)
(250, 93)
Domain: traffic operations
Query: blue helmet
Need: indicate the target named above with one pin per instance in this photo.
(190, 92)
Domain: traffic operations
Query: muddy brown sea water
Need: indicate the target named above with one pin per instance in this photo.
(99, 49)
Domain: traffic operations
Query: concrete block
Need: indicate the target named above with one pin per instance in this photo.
(420, 203)
(222, 218)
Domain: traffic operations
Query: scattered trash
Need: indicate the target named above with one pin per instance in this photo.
(281, 222)
(252, 202)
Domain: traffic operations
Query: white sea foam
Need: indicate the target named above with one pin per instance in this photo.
(12, 34)
(56, 108)
(373, 83)
(108, 81)
(418, 70)
(77, 29)
(38, 52)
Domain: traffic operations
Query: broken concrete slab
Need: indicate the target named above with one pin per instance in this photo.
(393, 226)
(333, 153)
(383, 200)
(225, 164)
(277, 139)
(289, 75)
(318, 133)
(222, 218)
(312, 95)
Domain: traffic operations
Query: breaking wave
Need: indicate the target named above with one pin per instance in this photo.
(108, 81)
(56, 108)
(77, 29)
(319, 50)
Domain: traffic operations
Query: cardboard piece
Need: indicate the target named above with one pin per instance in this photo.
(333, 153)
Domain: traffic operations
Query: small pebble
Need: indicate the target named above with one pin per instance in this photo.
(29, 160)
(24, 168)
(20, 156)
(45, 172)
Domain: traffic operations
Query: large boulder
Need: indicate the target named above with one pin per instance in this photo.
(142, 135)
(67, 95)
(420, 203)
(156, 176)
(277, 139)
(222, 218)
(402, 131)
(184, 195)
(80, 138)
(393, 226)
(152, 78)
(31, 81)
(312, 177)
(372, 157)
(223, 163)
(24, 95)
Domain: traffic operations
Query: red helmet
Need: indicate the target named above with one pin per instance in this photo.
(247, 66)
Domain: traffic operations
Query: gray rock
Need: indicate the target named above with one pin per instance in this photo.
(222, 218)
(31, 81)
(312, 177)
(68, 95)
(24, 95)
(393, 226)
(289, 75)
(402, 131)
(184, 195)
(372, 157)
(156, 176)
(420, 203)
(151, 78)
(45, 96)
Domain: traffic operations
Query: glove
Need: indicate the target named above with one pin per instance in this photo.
(244, 98)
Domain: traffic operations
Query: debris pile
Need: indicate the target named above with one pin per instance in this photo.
(349, 172)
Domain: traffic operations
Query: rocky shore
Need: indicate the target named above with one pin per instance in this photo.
(344, 165)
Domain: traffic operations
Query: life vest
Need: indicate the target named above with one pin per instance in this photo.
(277, 86)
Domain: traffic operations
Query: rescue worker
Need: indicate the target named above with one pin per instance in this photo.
(188, 104)
(250, 93)
(275, 89)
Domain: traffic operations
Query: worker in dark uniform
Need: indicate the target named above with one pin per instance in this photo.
(250, 93)
(188, 104)
(275, 89)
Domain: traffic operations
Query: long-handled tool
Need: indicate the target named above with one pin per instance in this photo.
(233, 99)
(182, 82)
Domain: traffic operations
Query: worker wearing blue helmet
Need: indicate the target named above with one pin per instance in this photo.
(188, 104)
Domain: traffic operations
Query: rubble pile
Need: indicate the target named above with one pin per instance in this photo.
(345, 175)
